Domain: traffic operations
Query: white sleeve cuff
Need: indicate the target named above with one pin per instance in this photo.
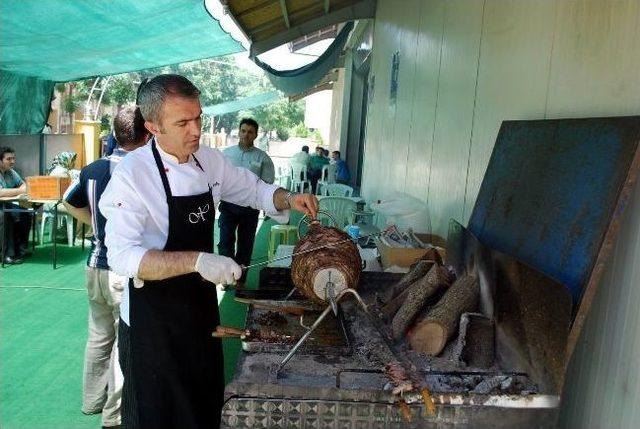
(265, 196)
(281, 217)
(127, 262)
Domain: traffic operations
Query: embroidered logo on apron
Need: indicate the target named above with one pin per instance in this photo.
(195, 217)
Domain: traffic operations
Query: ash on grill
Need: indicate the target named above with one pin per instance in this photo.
(271, 336)
(442, 373)
(271, 318)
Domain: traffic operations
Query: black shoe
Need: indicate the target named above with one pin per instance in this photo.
(112, 427)
(25, 253)
(8, 260)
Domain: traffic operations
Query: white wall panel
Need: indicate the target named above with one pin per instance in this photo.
(595, 65)
(375, 154)
(423, 114)
(388, 110)
(456, 91)
(407, 44)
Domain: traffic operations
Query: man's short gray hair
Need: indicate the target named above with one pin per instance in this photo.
(153, 93)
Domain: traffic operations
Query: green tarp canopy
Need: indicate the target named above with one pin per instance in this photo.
(241, 103)
(48, 41)
(295, 81)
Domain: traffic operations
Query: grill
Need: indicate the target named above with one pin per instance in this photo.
(538, 240)
(335, 379)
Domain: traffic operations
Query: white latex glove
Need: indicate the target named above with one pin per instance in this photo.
(218, 269)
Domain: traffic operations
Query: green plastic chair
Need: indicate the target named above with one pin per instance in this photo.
(340, 207)
(281, 234)
(338, 190)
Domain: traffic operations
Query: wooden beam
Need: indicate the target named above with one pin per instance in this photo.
(360, 10)
(285, 14)
(277, 22)
(254, 8)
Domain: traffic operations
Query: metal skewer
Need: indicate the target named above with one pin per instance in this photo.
(324, 246)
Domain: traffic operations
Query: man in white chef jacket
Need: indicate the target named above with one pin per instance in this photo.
(160, 210)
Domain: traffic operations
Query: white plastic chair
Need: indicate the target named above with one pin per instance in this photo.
(328, 176)
(299, 180)
(66, 218)
(338, 190)
(283, 176)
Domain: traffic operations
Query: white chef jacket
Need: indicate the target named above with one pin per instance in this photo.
(135, 205)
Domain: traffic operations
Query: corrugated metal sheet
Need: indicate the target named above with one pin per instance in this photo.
(532, 60)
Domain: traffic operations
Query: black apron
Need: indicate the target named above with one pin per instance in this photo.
(175, 363)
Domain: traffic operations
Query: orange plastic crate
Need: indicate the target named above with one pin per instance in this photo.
(47, 187)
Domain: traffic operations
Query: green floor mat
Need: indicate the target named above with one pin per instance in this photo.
(43, 329)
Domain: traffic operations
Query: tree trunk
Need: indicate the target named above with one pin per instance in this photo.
(431, 333)
(416, 296)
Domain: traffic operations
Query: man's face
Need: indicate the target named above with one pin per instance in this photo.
(319, 151)
(179, 131)
(8, 161)
(247, 134)
(334, 156)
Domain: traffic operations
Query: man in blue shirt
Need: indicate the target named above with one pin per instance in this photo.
(235, 219)
(102, 380)
(342, 170)
(17, 224)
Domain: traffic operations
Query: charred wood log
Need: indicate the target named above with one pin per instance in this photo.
(432, 331)
(417, 294)
(417, 271)
(476, 341)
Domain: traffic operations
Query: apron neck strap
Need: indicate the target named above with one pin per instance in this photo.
(163, 173)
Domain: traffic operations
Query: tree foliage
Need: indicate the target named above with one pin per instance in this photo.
(280, 117)
(219, 80)
(121, 90)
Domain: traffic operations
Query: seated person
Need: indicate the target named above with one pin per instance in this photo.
(342, 170)
(17, 224)
(316, 162)
(63, 164)
(301, 157)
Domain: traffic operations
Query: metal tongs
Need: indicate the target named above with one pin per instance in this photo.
(333, 306)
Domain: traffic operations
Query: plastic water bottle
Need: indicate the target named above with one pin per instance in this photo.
(353, 231)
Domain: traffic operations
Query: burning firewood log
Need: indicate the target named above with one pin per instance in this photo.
(402, 383)
(339, 264)
(417, 294)
(432, 331)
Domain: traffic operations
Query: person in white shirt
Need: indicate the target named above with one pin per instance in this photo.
(301, 157)
(160, 210)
